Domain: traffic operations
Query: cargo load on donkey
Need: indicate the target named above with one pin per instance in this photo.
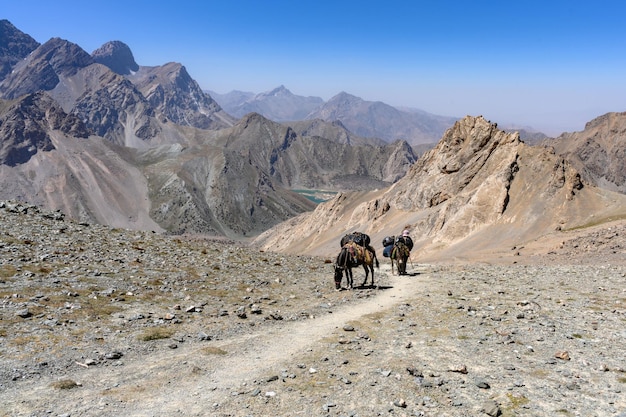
(388, 245)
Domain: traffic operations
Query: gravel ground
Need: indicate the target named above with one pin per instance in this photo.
(109, 322)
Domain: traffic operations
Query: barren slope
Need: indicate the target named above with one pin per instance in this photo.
(480, 189)
(99, 322)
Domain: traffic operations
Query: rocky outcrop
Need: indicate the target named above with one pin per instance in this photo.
(26, 126)
(598, 152)
(117, 56)
(116, 110)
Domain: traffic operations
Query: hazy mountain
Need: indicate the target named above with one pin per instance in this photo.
(479, 189)
(377, 119)
(279, 104)
(598, 152)
(230, 101)
(374, 120)
(332, 130)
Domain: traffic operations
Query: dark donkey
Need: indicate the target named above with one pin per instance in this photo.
(400, 255)
(351, 256)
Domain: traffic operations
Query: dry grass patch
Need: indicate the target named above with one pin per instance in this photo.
(7, 271)
(65, 384)
(213, 350)
(156, 333)
(127, 393)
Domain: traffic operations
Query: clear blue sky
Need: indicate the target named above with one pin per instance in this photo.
(551, 65)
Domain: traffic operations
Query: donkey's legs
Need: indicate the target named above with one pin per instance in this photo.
(349, 277)
(366, 274)
(368, 269)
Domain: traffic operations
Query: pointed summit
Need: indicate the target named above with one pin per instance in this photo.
(42, 68)
(14, 46)
(117, 56)
(278, 91)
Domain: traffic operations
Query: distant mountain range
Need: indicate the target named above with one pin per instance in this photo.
(363, 118)
(369, 119)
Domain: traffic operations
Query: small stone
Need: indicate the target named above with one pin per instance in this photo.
(492, 409)
(24, 314)
(563, 355)
(481, 383)
(114, 355)
(462, 369)
(400, 403)
(414, 372)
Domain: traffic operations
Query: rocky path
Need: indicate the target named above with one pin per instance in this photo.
(163, 383)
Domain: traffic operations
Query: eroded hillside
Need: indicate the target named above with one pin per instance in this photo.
(479, 189)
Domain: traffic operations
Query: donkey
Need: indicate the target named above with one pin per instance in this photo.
(400, 255)
(351, 256)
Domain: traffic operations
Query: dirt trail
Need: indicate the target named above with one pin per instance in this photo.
(168, 382)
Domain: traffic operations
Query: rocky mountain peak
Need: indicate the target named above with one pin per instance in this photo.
(461, 156)
(278, 91)
(344, 98)
(171, 91)
(117, 56)
(375, 119)
(42, 69)
(64, 56)
(14, 46)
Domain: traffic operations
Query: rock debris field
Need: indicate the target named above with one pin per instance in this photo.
(97, 321)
